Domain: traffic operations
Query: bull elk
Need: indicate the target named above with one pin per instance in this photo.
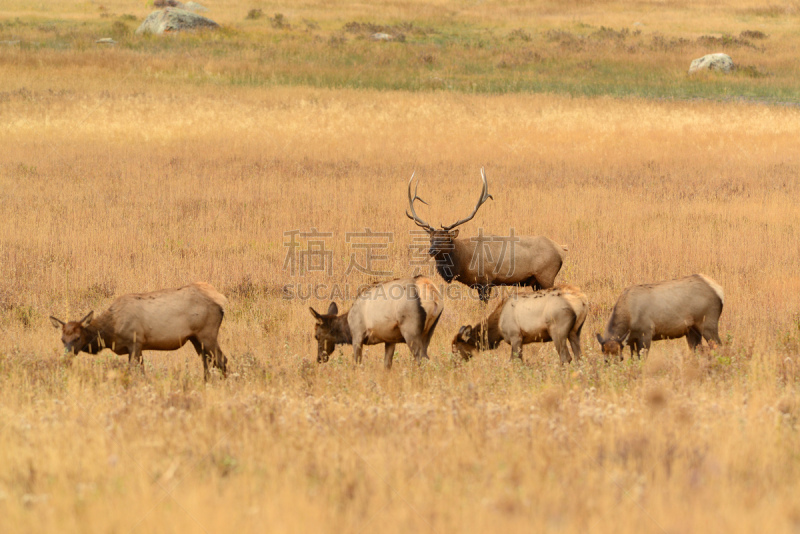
(689, 306)
(555, 314)
(161, 320)
(500, 261)
(399, 311)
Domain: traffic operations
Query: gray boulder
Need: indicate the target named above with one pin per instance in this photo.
(717, 62)
(174, 20)
(195, 7)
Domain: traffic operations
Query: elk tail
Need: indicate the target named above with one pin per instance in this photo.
(715, 286)
(215, 296)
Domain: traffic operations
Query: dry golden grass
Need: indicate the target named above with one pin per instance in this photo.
(114, 185)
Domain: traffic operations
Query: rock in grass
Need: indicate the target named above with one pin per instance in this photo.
(174, 20)
(380, 36)
(106, 40)
(717, 62)
(195, 7)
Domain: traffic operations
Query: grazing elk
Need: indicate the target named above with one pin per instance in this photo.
(161, 320)
(556, 314)
(399, 311)
(689, 307)
(500, 261)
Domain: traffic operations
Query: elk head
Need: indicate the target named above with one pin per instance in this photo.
(442, 241)
(325, 332)
(612, 347)
(75, 334)
(463, 345)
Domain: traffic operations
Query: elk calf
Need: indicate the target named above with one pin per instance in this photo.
(398, 311)
(689, 307)
(555, 314)
(161, 320)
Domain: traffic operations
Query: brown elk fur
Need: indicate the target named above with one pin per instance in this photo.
(161, 320)
(556, 314)
(689, 306)
(487, 260)
(406, 310)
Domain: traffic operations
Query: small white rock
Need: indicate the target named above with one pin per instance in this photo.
(106, 40)
(720, 62)
(381, 37)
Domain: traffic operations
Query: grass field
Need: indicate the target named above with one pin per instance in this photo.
(162, 161)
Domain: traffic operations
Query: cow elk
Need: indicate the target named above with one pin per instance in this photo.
(399, 311)
(161, 320)
(488, 260)
(556, 314)
(689, 306)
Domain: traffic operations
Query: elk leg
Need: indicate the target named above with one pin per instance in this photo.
(575, 343)
(693, 338)
(633, 344)
(644, 343)
(201, 351)
(484, 292)
(710, 333)
(516, 348)
(220, 361)
(135, 356)
(357, 349)
(415, 339)
(426, 338)
(417, 349)
(388, 355)
(561, 347)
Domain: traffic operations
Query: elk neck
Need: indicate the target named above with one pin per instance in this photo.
(98, 331)
(618, 324)
(447, 264)
(340, 330)
(492, 338)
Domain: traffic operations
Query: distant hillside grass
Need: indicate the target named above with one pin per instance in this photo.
(576, 58)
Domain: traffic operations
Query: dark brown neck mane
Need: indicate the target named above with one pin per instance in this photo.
(98, 333)
(491, 338)
(340, 330)
(447, 264)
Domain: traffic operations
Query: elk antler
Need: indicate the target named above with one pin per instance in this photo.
(413, 215)
(484, 197)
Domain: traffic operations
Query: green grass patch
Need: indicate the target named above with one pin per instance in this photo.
(421, 56)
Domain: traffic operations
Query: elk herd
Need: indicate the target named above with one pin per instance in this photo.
(407, 310)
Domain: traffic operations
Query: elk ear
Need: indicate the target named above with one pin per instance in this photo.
(600, 339)
(333, 309)
(58, 323)
(454, 233)
(316, 315)
(87, 320)
(465, 332)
